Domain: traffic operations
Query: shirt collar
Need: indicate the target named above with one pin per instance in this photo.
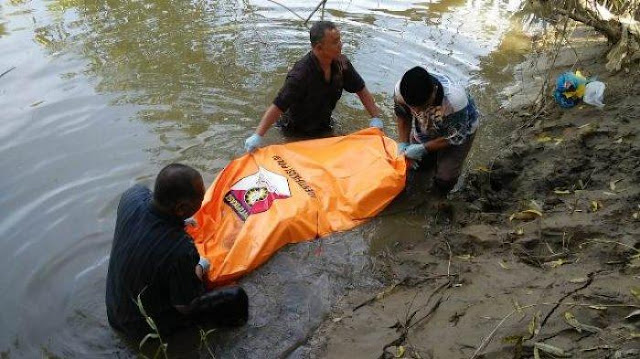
(167, 217)
(318, 68)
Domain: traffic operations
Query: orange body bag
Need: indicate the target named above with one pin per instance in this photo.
(291, 193)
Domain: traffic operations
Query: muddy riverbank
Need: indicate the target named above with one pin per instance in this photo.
(99, 96)
(541, 251)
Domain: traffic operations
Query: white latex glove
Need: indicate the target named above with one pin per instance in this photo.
(204, 263)
(401, 147)
(253, 142)
(376, 122)
(415, 151)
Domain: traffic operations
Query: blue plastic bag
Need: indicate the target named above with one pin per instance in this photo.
(570, 88)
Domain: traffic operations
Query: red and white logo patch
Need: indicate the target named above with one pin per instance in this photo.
(255, 193)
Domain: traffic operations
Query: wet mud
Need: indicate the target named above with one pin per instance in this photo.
(538, 256)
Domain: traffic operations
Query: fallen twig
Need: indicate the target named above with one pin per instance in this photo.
(288, 8)
(450, 255)
(487, 340)
(431, 311)
(593, 305)
(606, 241)
(432, 277)
(6, 72)
(404, 280)
(405, 329)
(407, 325)
(321, 3)
(381, 294)
(586, 284)
(539, 102)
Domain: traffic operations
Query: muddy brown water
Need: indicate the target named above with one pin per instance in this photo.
(97, 96)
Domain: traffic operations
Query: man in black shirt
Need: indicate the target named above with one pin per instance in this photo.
(313, 87)
(152, 256)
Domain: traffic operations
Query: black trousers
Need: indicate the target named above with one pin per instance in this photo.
(448, 165)
(292, 132)
(221, 307)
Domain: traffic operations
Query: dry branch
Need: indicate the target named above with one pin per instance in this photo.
(616, 19)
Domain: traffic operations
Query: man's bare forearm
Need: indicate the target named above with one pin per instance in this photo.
(436, 144)
(368, 102)
(268, 119)
(404, 129)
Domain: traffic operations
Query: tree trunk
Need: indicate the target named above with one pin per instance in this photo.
(617, 20)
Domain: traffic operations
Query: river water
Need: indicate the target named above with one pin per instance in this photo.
(98, 95)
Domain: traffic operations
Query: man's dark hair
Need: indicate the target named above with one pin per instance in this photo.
(417, 85)
(316, 33)
(176, 182)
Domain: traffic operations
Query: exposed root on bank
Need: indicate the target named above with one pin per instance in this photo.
(409, 323)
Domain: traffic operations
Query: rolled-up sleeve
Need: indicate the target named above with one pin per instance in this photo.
(353, 82)
(401, 110)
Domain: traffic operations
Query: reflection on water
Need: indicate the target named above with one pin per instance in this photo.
(103, 93)
(200, 63)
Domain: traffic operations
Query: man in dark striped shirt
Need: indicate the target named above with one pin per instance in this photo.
(153, 257)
